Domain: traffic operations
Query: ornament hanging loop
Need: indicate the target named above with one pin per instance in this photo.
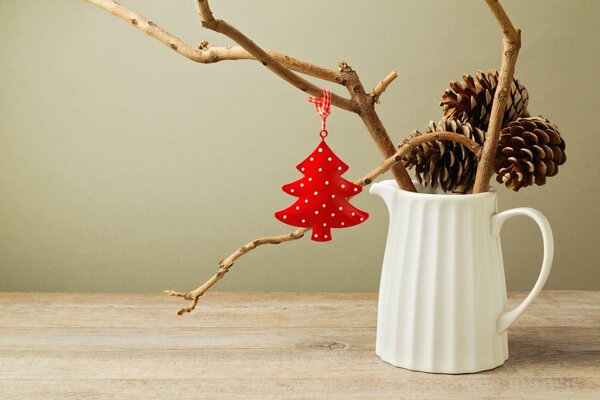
(323, 106)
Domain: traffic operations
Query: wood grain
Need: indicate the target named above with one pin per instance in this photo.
(271, 346)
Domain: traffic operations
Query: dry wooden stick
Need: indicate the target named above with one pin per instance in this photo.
(409, 145)
(227, 263)
(366, 107)
(206, 53)
(404, 149)
(511, 44)
(382, 85)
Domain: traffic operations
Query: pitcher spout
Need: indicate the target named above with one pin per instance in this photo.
(386, 191)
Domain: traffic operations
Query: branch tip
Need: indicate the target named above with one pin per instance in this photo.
(382, 86)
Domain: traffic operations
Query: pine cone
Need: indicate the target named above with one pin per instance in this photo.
(530, 149)
(472, 99)
(449, 164)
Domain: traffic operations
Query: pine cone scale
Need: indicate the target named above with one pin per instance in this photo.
(527, 152)
(531, 138)
(540, 151)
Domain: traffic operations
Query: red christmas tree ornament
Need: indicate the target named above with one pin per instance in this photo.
(322, 193)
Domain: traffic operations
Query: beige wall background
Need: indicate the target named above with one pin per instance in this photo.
(126, 167)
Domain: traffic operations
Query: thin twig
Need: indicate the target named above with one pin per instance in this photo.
(226, 264)
(404, 149)
(409, 145)
(382, 86)
(511, 45)
(208, 54)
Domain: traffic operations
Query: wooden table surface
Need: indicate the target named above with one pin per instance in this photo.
(271, 345)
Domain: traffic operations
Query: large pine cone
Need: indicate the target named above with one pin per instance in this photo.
(472, 99)
(530, 149)
(446, 163)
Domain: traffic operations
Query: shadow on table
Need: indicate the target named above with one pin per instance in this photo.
(560, 346)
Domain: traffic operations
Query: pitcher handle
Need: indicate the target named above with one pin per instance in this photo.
(507, 318)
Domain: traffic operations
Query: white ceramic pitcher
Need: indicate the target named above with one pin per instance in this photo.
(442, 298)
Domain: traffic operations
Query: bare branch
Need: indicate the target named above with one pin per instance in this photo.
(404, 149)
(366, 107)
(218, 25)
(227, 263)
(511, 45)
(207, 54)
(382, 86)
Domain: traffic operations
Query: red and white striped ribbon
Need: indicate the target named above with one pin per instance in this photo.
(323, 106)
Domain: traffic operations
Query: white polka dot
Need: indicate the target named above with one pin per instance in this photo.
(309, 179)
(329, 159)
(342, 224)
(339, 168)
(297, 208)
(324, 224)
(316, 212)
(291, 190)
(320, 169)
(315, 235)
(325, 236)
(333, 214)
(353, 214)
(320, 150)
(324, 205)
(362, 219)
(302, 185)
(316, 193)
(285, 217)
(303, 221)
(343, 186)
(327, 182)
(311, 159)
(302, 169)
(333, 196)
(306, 200)
(340, 208)
(356, 189)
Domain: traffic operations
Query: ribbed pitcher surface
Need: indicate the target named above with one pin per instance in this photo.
(442, 298)
(442, 284)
